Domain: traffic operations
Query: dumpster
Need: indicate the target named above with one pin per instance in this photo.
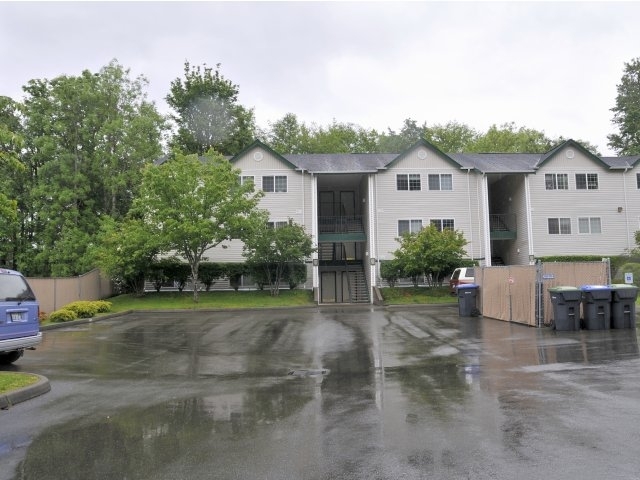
(467, 294)
(566, 307)
(623, 305)
(596, 306)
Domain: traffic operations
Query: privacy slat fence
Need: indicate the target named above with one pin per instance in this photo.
(55, 293)
(521, 293)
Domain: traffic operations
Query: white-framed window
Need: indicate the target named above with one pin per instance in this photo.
(586, 181)
(275, 183)
(277, 224)
(589, 225)
(443, 223)
(244, 179)
(409, 226)
(559, 226)
(556, 181)
(408, 181)
(440, 181)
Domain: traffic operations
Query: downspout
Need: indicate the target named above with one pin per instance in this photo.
(487, 229)
(303, 192)
(626, 207)
(527, 199)
(375, 206)
(372, 241)
(470, 219)
(314, 233)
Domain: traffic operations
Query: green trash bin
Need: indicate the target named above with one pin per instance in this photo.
(623, 305)
(566, 307)
(467, 294)
(596, 306)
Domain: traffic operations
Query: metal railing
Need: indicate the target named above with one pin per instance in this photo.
(341, 224)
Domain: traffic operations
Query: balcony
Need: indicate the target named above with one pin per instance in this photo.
(344, 228)
(503, 226)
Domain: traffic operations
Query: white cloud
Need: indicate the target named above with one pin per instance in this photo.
(544, 65)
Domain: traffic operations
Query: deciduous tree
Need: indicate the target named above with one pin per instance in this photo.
(195, 204)
(274, 249)
(208, 114)
(626, 112)
(430, 252)
(86, 138)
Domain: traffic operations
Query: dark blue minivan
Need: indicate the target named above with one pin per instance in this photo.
(19, 312)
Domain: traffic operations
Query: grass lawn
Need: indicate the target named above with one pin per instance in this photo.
(217, 299)
(262, 299)
(13, 381)
(417, 295)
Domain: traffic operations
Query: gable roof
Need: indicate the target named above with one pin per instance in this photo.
(258, 144)
(487, 163)
(429, 146)
(570, 144)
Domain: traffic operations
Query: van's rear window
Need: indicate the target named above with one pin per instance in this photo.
(14, 288)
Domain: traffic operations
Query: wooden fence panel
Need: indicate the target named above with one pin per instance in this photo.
(509, 293)
(54, 293)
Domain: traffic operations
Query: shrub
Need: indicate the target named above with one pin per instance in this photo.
(83, 308)
(62, 315)
(102, 305)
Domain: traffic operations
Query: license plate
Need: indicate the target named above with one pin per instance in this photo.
(16, 316)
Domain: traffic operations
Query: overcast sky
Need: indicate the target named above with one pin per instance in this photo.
(551, 66)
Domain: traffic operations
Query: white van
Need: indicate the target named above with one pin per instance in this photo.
(461, 276)
(19, 316)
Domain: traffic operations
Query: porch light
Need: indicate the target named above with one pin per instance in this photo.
(372, 261)
(315, 262)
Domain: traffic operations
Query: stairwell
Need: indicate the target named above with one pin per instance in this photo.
(358, 283)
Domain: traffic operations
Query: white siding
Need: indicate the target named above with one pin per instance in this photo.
(295, 203)
(459, 204)
(573, 203)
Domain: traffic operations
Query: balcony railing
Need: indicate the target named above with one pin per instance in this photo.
(341, 224)
(503, 226)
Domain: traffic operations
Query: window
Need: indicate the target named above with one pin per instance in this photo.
(587, 181)
(556, 181)
(589, 225)
(276, 184)
(559, 226)
(443, 223)
(638, 180)
(246, 179)
(278, 224)
(409, 226)
(409, 181)
(442, 181)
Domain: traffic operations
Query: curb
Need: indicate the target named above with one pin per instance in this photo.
(14, 397)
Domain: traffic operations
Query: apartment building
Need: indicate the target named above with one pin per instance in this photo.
(511, 207)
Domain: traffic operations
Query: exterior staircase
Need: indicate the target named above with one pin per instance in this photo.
(358, 284)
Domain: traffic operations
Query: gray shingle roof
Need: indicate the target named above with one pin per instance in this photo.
(341, 162)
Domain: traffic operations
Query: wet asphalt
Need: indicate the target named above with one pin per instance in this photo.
(326, 393)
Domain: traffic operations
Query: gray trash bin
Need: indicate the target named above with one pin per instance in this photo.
(623, 305)
(566, 307)
(596, 306)
(467, 294)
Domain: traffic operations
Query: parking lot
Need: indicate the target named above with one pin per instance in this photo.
(326, 393)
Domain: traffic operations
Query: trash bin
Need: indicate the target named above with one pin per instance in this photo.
(467, 294)
(596, 306)
(566, 307)
(623, 305)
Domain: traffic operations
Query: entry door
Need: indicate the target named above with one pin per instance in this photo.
(326, 204)
(328, 287)
(347, 203)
